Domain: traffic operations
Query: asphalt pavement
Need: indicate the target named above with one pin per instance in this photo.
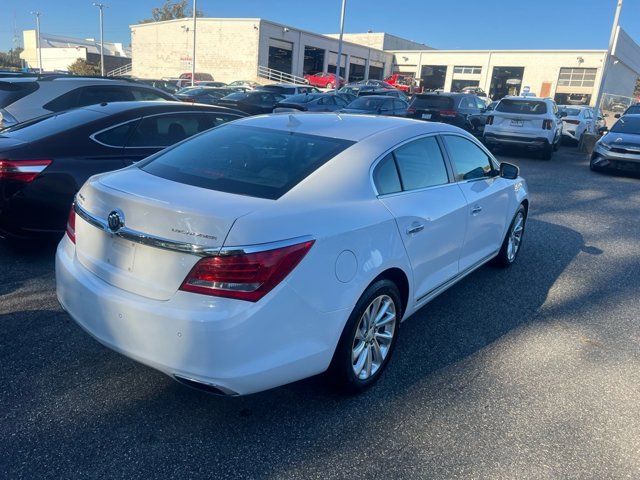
(531, 372)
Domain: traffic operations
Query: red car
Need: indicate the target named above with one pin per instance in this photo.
(403, 82)
(324, 80)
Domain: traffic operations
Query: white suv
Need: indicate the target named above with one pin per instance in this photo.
(24, 98)
(532, 123)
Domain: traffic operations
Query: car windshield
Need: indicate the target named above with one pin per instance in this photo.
(525, 107)
(627, 125)
(238, 96)
(257, 162)
(367, 103)
(571, 112)
(192, 92)
(13, 91)
(303, 97)
(433, 101)
(51, 124)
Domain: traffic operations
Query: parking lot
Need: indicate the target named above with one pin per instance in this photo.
(529, 372)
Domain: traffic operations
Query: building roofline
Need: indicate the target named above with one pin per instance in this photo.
(498, 51)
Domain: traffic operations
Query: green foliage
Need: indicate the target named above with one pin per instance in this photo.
(82, 67)
(10, 59)
(171, 10)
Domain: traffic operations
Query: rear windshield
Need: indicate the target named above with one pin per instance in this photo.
(433, 101)
(571, 112)
(252, 161)
(51, 124)
(525, 107)
(627, 125)
(367, 103)
(303, 98)
(279, 89)
(236, 96)
(11, 92)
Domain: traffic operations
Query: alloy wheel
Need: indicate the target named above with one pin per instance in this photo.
(374, 336)
(515, 237)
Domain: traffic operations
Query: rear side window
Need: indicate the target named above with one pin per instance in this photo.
(117, 136)
(92, 95)
(11, 92)
(165, 130)
(51, 124)
(469, 160)
(433, 101)
(525, 107)
(385, 176)
(421, 164)
(245, 160)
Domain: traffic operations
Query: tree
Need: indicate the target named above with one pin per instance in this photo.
(171, 10)
(11, 59)
(82, 67)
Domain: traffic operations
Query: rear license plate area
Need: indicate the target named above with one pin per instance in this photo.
(121, 253)
(517, 123)
(426, 116)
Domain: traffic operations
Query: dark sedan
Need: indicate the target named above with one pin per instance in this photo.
(312, 102)
(378, 105)
(45, 161)
(206, 95)
(253, 102)
(463, 110)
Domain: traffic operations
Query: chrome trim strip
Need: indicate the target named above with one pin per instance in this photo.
(430, 295)
(185, 247)
(147, 239)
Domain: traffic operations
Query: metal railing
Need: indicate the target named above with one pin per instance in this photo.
(278, 76)
(120, 71)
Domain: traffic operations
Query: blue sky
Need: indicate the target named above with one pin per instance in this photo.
(449, 24)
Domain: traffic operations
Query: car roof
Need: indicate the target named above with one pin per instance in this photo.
(344, 126)
(442, 94)
(164, 105)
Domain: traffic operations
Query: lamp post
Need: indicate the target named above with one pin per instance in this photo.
(101, 7)
(193, 55)
(38, 49)
(337, 83)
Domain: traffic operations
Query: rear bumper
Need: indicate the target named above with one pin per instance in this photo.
(231, 346)
(516, 140)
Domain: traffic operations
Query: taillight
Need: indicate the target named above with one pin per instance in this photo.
(447, 113)
(490, 120)
(71, 224)
(547, 124)
(411, 110)
(22, 170)
(244, 276)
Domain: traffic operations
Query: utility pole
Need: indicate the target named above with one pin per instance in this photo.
(605, 65)
(344, 8)
(101, 6)
(193, 55)
(38, 49)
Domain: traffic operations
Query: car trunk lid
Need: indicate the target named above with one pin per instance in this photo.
(157, 215)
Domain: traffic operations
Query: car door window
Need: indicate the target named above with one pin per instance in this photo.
(480, 105)
(116, 136)
(398, 105)
(341, 102)
(385, 176)
(99, 94)
(421, 164)
(469, 160)
(164, 130)
(148, 94)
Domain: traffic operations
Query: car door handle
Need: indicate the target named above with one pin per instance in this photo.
(415, 228)
(476, 210)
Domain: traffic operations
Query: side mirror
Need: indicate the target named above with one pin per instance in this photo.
(603, 130)
(509, 171)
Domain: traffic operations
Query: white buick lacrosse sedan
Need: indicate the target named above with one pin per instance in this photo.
(278, 247)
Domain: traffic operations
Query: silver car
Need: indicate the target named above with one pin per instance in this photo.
(620, 148)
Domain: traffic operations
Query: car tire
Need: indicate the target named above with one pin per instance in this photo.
(330, 85)
(556, 145)
(371, 342)
(547, 152)
(513, 239)
(593, 166)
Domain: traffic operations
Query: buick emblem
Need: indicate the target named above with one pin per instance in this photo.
(115, 220)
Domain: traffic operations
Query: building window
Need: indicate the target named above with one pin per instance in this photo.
(468, 70)
(577, 77)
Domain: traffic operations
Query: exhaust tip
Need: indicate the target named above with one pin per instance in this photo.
(205, 387)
